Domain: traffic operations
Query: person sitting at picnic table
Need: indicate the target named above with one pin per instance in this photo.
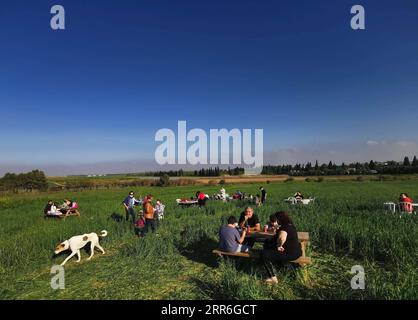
(230, 239)
(249, 221)
(272, 225)
(129, 204)
(298, 195)
(51, 209)
(283, 248)
(159, 210)
(69, 207)
(405, 203)
(149, 214)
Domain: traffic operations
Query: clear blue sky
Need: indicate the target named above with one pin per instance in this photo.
(99, 90)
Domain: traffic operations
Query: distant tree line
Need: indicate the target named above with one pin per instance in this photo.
(208, 172)
(308, 169)
(372, 167)
(34, 180)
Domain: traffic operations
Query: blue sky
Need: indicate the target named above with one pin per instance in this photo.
(98, 91)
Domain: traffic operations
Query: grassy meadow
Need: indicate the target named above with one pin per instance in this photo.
(347, 226)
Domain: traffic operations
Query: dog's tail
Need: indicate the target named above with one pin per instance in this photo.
(103, 234)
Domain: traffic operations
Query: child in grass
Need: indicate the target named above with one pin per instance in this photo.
(159, 210)
(140, 225)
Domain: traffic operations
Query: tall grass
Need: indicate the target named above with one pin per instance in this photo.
(347, 226)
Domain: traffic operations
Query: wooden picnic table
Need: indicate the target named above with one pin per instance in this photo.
(303, 238)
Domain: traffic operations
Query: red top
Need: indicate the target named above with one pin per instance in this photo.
(406, 200)
(201, 196)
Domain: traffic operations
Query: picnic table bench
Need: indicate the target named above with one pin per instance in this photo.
(255, 254)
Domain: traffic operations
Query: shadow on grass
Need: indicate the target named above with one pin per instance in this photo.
(200, 251)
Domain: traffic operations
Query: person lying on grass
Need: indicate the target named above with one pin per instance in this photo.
(283, 248)
(229, 238)
(249, 220)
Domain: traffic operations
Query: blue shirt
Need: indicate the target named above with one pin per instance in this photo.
(131, 202)
(229, 239)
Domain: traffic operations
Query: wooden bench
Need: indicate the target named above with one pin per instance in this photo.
(255, 254)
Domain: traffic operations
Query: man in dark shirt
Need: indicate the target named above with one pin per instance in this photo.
(249, 220)
(263, 195)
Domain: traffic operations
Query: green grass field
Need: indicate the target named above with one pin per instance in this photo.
(347, 227)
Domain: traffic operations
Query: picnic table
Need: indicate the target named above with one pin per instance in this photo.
(303, 238)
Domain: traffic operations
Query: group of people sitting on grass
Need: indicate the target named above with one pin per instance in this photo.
(281, 249)
(258, 199)
(69, 207)
(147, 218)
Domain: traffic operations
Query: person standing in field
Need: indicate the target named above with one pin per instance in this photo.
(263, 195)
(283, 248)
(298, 195)
(129, 204)
(149, 212)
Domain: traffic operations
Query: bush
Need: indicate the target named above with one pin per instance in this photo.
(290, 179)
(212, 182)
(222, 182)
(360, 179)
(319, 179)
(164, 181)
(309, 180)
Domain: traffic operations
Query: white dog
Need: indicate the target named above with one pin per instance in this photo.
(77, 242)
